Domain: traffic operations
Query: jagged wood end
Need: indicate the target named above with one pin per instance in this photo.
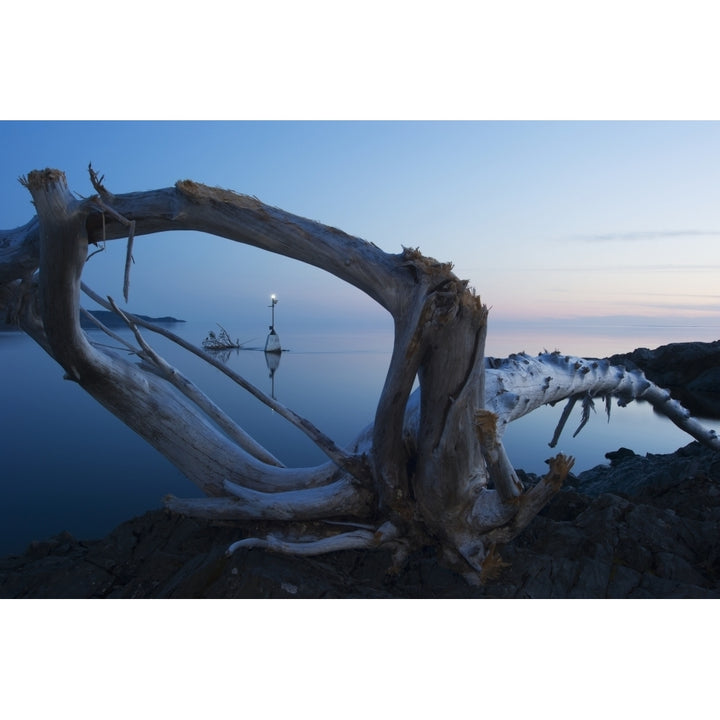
(97, 182)
(36, 179)
(486, 426)
(492, 566)
(533, 500)
(560, 467)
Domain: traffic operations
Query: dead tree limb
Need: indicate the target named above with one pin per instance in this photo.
(432, 467)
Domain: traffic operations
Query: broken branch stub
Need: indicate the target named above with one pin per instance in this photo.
(432, 467)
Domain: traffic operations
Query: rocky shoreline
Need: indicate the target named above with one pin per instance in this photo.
(640, 527)
(691, 371)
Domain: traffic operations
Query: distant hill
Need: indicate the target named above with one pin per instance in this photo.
(110, 319)
(107, 318)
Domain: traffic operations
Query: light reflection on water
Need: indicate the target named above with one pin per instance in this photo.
(68, 464)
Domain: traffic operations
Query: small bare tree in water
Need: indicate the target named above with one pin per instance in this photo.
(220, 340)
(431, 469)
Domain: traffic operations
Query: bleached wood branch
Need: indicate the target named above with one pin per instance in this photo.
(354, 540)
(101, 326)
(143, 401)
(203, 402)
(520, 384)
(337, 499)
(128, 261)
(339, 456)
(103, 201)
(332, 500)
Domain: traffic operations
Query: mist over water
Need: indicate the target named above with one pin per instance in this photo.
(68, 464)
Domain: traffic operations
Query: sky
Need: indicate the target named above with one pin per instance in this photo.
(576, 221)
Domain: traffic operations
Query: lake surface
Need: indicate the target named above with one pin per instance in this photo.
(68, 464)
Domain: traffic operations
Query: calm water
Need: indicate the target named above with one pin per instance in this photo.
(67, 464)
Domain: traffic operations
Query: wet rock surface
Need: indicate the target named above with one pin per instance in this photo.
(639, 527)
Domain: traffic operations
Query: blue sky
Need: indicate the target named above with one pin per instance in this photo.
(564, 220)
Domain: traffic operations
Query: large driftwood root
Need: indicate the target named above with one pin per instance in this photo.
(431, 469)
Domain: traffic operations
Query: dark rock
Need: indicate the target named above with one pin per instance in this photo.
(646, 527)
(629, 473)
(707, 381)
(691, 371)
(618, 456)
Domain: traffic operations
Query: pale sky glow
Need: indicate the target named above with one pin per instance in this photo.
(560, 220)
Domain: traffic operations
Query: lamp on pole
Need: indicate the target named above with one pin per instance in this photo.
(273, 303)
(272, 344)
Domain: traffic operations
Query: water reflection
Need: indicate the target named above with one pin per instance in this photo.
(272, 360)
(224, 354)
(69, 464)
(703, 405)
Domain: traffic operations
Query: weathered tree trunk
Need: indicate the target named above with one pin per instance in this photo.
(431, 469)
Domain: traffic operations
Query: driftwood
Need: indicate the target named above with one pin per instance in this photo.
(220, 341)
(431, 469)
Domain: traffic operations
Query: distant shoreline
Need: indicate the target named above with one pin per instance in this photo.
(111, 319)
(107, 318)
